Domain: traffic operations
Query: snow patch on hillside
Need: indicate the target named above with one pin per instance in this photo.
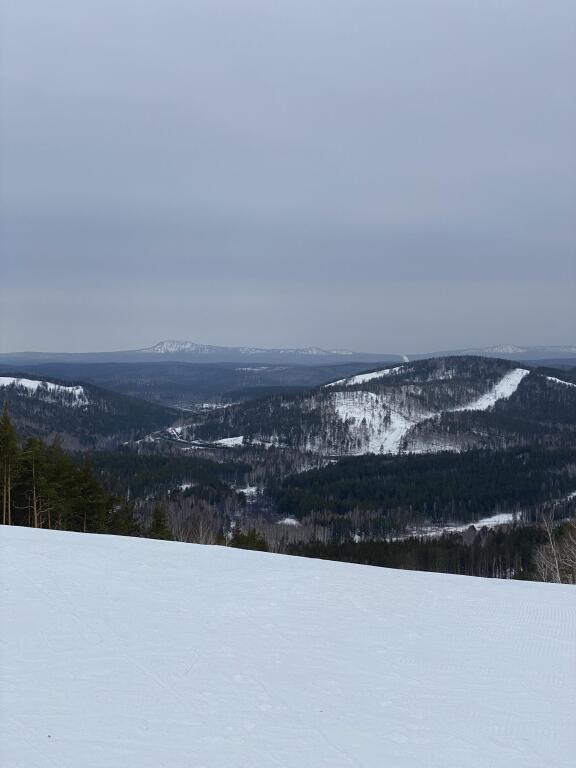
(504, 389)
(362, 378)
(493, 521)
(122, 652)
(559, 381)
(76, 394)
(230, 442)
(378, 425)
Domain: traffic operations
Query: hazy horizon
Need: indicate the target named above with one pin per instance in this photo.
(373, 176)
(397, 351)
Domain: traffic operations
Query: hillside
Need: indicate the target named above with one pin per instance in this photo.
(122, 652)
(81, 414)
(452, 403)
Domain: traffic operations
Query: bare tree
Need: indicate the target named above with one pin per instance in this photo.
(556, 561)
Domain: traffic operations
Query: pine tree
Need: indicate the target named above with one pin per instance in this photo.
(122, 520)
(8, 458)
(159, 528)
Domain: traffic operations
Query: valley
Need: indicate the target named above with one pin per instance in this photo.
(413, 451)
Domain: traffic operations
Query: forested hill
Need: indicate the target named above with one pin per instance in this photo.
(82, 415)
(442, 488)
(451, 403)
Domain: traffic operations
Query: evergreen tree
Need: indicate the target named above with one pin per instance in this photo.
(249, 540)
(159, 528)
(8, 458)
(122, 520)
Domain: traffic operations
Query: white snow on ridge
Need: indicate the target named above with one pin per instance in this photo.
(362, 378)
(124, 652)
(559, 381)
(45, 387)
(172, 346)
(504, 389)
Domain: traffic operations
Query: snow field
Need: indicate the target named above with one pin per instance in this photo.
(119, 652)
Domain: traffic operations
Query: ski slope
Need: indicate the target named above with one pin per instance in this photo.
(502, 390)
(130, 653)
(379, 427)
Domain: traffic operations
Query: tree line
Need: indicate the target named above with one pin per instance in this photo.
(43, 486)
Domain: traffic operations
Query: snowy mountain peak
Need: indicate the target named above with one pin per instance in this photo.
(170, 347)
(513, 349)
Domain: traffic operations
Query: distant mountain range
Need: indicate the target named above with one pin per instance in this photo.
(192, 352)
(513, 352)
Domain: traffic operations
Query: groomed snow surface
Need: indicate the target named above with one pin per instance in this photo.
(130, 653)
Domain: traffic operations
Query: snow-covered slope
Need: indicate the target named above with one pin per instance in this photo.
(379, 424)
(363, 378)
(554, 380)
(117, 653)
(502, 390)
(73, 395)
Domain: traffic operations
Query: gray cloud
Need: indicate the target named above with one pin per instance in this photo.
(378, 175)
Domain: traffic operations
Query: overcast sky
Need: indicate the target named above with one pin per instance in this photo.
(381, 175)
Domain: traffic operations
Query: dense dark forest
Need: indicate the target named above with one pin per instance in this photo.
(139, 475)
(499, 553)
(439, 488)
